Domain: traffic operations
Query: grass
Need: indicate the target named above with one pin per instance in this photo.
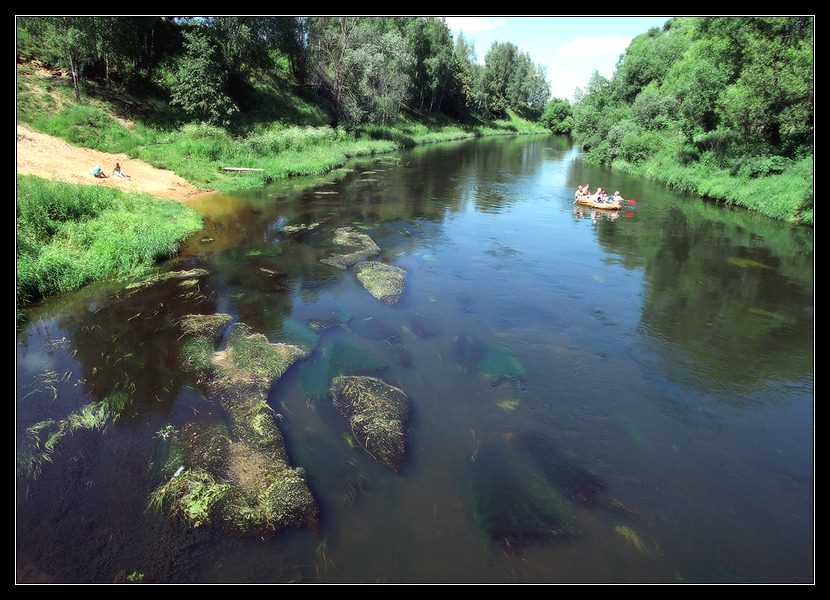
(69, 235)
(253, 355)
(786, 196)
(191, 495)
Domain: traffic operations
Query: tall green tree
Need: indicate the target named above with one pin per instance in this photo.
(201, 80)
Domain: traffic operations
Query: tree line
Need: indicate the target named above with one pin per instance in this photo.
(725, 93)
(366, 69)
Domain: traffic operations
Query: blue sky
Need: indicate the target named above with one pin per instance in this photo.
(570, 47)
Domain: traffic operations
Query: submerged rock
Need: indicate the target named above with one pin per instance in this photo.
(384, 282)
(209, 326)
(377, 414)
(564, 470)
(338, 358)
(513, 503)
(499, 364)
(365, 247)
(191, 274)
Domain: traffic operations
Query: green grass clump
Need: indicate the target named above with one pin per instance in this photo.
(69, 235)
(196, 353)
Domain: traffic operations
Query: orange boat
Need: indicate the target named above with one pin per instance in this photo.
(586, 201)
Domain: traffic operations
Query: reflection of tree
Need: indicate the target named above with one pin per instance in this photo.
(727, 292)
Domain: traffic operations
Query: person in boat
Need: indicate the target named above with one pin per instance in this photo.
(586, 190)
(98, 172)
(119, 173)
(578, 193)
(617, 199)
(599, 195)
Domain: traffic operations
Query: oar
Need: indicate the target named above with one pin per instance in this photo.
(631, 202)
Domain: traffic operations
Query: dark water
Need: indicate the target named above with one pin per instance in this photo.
(664, 414)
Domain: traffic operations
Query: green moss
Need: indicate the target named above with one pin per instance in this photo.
(499, 364)
(377, 414)
(196, 353)
(384, 282)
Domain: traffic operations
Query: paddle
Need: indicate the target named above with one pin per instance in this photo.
(631, 202)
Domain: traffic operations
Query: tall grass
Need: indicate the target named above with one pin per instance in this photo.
(68, 235)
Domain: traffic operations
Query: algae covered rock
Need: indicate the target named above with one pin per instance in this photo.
(384, 282)
(200, 332)
(499, 364)
(365, 247)
(377, 413)
(251, 355)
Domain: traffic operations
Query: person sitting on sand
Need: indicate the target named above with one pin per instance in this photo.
(98, 172)
(119, 173)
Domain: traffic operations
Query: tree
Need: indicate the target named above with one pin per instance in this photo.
(558, 116)
(200, 83)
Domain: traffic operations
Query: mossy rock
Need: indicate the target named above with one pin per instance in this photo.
(384, 282)
(300, 227)
(377, 414)
(499, 364)
(365, 247)
(251, 355)
(209, 326)
(191, 274)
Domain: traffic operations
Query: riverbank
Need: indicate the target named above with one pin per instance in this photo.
(785, 196)
(299, 143)
(69, 234)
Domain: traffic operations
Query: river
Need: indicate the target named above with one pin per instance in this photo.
(649, 372)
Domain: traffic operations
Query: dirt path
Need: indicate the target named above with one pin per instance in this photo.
(52, 158)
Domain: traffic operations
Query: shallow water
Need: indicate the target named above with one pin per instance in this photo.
(595, 397)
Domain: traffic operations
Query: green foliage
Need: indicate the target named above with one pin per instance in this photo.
(200, 83)
(68, 234)
(718, 106)
(191, 495)
(558, 116)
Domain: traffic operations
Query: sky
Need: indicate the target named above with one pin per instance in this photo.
(570, 47)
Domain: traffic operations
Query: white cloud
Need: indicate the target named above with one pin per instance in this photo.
(473, 24)
(585, 47)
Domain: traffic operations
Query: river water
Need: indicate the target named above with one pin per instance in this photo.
(656, 385)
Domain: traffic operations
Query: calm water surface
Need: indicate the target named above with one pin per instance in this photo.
(666, 401)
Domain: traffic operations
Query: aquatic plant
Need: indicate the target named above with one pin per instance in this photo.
(499, 364)
(191, 494)
(91, 416)
(630, 536)
(377, 414)
(385, 282)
